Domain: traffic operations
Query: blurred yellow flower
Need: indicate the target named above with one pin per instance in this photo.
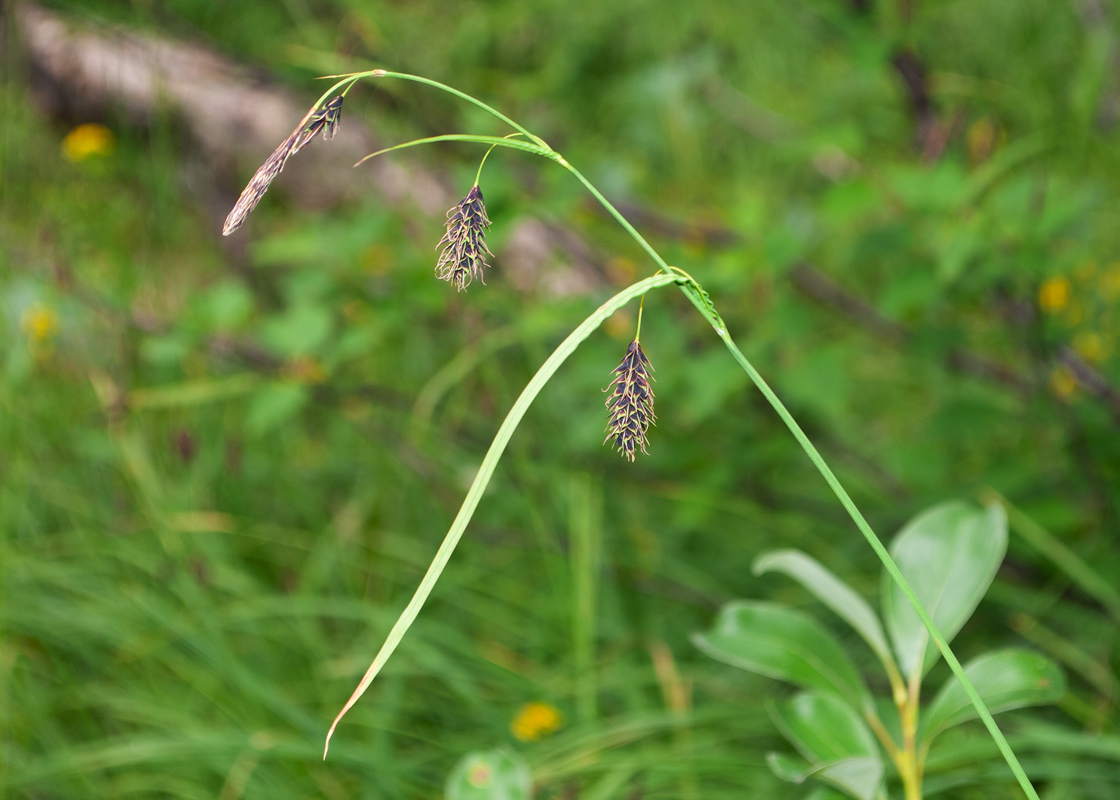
(89, 139)
(1110, 281)
(1062, 383)
(981, 138)
(39, 323)
(1089, 345)
(619, 325)
(621, 270)
(305, 370)
(1053, 295)
(1086, 271)
(536, 720)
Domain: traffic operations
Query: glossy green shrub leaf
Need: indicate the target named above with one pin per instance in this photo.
(861, 777)
(825, 793)
(949, 554)
(490, 775)
(788, 768)
(834, 738)
(823, 727)
(831, 591)
(1005, 679)
(782, 643)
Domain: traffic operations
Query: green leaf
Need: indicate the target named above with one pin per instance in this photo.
(300, 330)
(489, 775)
(860, 777)
(823, 727)
(787, 768)
(782, 643)
(834, 738)
(274, 405)
(949, 554)
(482, 480)
(1005, 679)
(825, 793)
(831, 591)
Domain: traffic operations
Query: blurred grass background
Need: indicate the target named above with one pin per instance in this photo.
(218, 487)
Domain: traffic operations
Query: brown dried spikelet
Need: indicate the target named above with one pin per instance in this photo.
(318, 120)
(630, 403)
(464, 243)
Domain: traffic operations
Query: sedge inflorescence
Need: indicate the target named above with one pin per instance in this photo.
(324, 120)
(463, 259)
(630, 402)
(464, 243)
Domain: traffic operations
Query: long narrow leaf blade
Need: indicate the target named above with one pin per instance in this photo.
(482, 480)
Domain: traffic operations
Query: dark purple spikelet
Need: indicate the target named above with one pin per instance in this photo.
(464, 243)
(324, 120)
(318, 120)
(630, 403)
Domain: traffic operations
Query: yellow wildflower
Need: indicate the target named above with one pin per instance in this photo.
(619, 325)
(1053, 295)
(305, 370)
(536, 720)
(89, 139)
(1086, 271)
(1089, 345)
(621, 270)
(981, 138)
(377, 259)
(1062, 383)
(1110, 281)
(39, 323)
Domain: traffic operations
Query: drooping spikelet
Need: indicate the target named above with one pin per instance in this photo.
(631, 402)
(464, 243)
(323, 120)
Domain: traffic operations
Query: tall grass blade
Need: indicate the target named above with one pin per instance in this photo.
(1065, 559)
(485, 472)
(585, 526)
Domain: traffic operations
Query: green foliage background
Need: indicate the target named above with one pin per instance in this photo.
(192, 584)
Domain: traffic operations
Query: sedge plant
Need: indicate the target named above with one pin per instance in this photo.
(464, 261)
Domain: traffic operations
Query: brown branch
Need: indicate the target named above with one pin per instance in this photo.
(820, 287)
(932, 135)
(81, 71)
(1090, 379)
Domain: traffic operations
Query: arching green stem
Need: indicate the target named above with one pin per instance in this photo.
(481, 164)
(493, 141)
(482, 479)
(354, 77)
(700, 299)
(709, 313)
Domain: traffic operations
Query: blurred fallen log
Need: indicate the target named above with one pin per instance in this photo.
(815, 284)
(820, 287)
(81, 70)
(1090, 380)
